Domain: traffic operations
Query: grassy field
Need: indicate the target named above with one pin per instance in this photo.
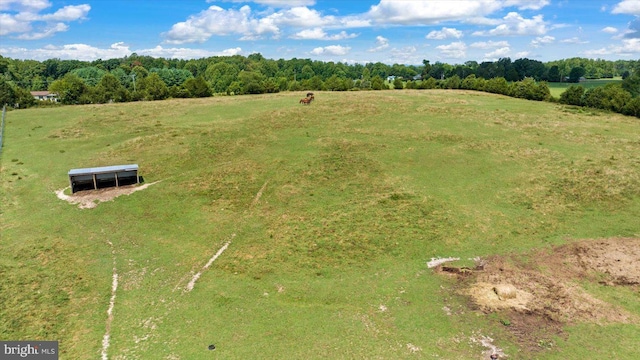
(558, 88)
(331, 212)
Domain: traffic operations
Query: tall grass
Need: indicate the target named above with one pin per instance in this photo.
(358, 191)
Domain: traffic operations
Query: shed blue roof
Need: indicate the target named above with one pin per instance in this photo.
(104, 169)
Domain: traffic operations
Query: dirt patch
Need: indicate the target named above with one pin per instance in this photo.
(536, 294)
(89, 199)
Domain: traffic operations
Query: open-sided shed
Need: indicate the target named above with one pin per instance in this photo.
(103, 177)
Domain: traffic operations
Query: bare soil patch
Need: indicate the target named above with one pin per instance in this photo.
(534, 295)
(89, 199)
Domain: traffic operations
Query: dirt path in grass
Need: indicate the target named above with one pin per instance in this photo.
(89, 199)
(195, 277)
(536, 294)
(112, 302)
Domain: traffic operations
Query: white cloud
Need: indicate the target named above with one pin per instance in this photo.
(634, 29)
(527, 4)
(522, 54)
(29, 24)
(331, 50)
(353, 22)
(489, 44)
(445, 33)
(186, 53)
(302, 17)
(610, 30)
(630, 46)
(218, 21)
(273, 3)
(44, 33)
(627, 7)
(382, 44)
(71, 51)
(24, 5)
(454, 50)
(483, 21)
(9, 25)
(514, 24)
(626, 48)
(86, 52)
(497, 54)
(574, 40)
(544, 40)
(429, 12)
(405, 55)
(285, 3)
(319, 34)
(68, 13)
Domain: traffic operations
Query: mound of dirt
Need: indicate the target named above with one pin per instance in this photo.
(539, 292)
(91, 198)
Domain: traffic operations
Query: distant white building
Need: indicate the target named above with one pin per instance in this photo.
(44, 96)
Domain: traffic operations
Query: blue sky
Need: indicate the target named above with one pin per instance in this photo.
(358, 31)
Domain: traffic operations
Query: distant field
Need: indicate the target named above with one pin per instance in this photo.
(331, 213)
(558, 88)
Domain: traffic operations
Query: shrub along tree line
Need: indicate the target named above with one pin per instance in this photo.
(135, 78)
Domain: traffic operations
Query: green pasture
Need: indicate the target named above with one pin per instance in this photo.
(328, 261)
(557, 88)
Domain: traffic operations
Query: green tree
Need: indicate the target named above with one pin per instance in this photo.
(24, 98)
(234, 88)
(366, 74)
(453, 82)
(498, 85)
(124, 79)
(90, 75)
(430, 83)
(529, 89)
(138, 73)
(576, 73)
(573, 95)
(512, 75)
(469, 82)
(109, 89)
(632, 107)
(220, 75)
(7, 93)
(315, 83)
(197, 87)
(154, 88)
(307, 73)
(553, 75)
(397, 84)
(632, 84)
(173, 77)
(69, 89)
(426, 69)
(251, 82)
(378, 84)
(610, 97)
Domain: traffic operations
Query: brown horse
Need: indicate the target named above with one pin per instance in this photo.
(305, 101)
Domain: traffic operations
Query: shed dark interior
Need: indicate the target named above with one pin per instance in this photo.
(103, 177)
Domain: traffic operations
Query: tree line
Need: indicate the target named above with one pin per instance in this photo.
(135, 78)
